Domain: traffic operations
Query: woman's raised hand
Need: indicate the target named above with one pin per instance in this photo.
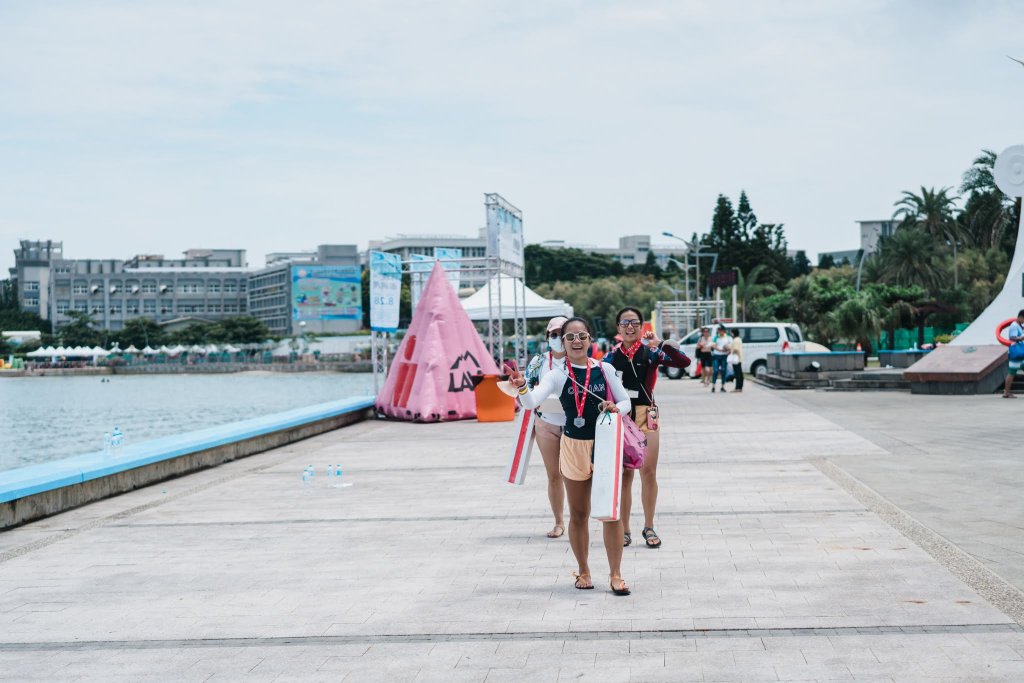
(516, 378)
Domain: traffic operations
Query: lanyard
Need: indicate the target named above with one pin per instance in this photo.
(631, 351)
(579, 397)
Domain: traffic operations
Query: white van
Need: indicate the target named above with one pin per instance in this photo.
(759, 339)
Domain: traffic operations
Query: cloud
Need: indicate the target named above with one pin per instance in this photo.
(260, 123)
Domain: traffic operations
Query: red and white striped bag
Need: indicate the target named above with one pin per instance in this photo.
(606, 490)
(519, 460)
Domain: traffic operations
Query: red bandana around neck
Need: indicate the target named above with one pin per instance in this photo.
(631, 351)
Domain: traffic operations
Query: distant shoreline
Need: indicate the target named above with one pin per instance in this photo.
(199, 369)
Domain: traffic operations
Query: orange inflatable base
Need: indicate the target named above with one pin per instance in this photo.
(491, 404)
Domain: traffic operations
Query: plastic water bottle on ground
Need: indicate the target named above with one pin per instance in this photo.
(307, 478)
(116, 437)
(338, 484)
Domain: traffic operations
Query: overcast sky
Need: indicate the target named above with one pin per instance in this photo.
(152, 127)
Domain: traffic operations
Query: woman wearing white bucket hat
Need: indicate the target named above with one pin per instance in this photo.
(548, 427)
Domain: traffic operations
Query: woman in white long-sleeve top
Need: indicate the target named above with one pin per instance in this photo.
(581, 385)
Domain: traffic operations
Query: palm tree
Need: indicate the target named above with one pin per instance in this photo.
(910, 257)
(933, 212)
(748, 288)
(857, 319)
(979, 178)
(988, 213)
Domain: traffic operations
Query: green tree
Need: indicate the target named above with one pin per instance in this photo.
(11, 315)
(933, 212)
(910, 256)
(8, 295)
(746, 220)
(195, 333)
(857, 319)
(79, 331)
(896, 306)
(799, 264)
(566, 265)
(989, 218)
(812, 299)
(650, 266)
(748, 289)
(240, 329)
(601, 298)
(141, 332)
(742, 243)
(826, 261)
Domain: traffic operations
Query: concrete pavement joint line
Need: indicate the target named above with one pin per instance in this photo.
(999, 592)
(107, 521)
(472, 518)
(667, 634)
(459, 468)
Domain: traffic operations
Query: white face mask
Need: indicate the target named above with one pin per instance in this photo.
(555, 345)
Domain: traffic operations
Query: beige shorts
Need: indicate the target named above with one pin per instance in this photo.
(576, 458)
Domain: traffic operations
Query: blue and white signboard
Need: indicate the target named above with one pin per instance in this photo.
(385, 291)
(504, 230)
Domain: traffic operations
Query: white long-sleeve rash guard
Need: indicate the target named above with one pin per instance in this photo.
(552, 383)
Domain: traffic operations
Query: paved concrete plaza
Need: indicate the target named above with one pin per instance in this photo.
(777, 563)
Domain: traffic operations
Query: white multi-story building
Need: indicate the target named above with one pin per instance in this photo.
(208, 284)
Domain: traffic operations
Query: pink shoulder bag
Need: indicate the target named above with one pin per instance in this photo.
(634, 441)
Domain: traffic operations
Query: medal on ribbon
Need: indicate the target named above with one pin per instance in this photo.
(579, 396)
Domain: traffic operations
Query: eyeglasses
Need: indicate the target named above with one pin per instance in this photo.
(573, 336)
(630, 323)
(554, 334)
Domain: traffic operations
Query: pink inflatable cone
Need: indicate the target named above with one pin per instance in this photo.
(430, 377)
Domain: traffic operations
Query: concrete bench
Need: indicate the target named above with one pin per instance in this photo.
(795, 365)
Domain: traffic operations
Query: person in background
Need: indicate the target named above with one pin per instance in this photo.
(719, 354)
(580, 386)
(1016, 336)
(636, 360)
(704, 346)
(736, 358)
(547, 428)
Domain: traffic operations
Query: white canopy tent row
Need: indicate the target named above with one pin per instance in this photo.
(481, 304)
(68, 352)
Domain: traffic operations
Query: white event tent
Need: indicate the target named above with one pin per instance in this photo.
(67, 352)
(476, 306)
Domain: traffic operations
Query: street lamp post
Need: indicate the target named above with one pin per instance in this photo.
(686, 273)
(691, 245)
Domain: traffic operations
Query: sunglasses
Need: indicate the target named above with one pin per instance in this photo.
(554, 334)
(573, 336)
(630, 323)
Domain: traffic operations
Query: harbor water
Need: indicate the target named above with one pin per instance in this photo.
(49, 418)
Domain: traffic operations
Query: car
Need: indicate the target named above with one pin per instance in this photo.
(759, 339)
